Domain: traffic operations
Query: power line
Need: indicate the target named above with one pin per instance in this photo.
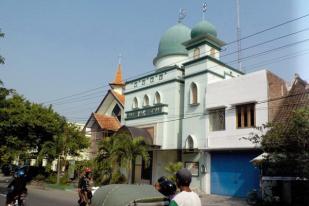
(254, 34)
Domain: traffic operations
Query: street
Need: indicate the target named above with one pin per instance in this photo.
(50, 197)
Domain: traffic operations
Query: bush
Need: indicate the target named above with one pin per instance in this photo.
(39, 177)
(118, 178)
(172, 169)
(64, 179)
(52, 179)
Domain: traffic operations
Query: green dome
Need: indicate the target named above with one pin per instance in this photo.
(203, 27)
(172, 39)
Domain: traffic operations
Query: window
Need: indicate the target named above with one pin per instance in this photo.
(193, 95)
(190, 143)
(157, 98)
(212, 52)
(135, 103)
(245, 115)
(160, 76)
(196, 53)
(151, 79)
(117, 112)
(143, 82)
(135, 84)
(146, 101)
(217, 120)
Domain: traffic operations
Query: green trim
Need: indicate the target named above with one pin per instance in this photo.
(206, 38)
(135, 110)
(214, 60)
(202, 42)
(203, 72)
(157, 72)
(155, 85)
(151, 115)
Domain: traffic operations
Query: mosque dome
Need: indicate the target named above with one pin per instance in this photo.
(171, 41)
(203, 27)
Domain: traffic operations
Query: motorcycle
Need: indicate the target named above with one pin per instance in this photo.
(19, 200)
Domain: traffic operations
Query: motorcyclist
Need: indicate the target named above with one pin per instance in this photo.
(84, 190)
(18, 186)
(166, 187)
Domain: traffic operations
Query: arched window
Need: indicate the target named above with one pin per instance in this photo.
(157, 98)
(193, 95)
(196, 53)
(146, 101)
(135, 103)
(212, 52)
(190, 143)
(117, 112)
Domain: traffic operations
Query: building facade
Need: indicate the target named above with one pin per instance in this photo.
(197, 109)
(106, 119)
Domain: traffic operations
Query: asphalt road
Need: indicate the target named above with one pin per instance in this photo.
(50, 197)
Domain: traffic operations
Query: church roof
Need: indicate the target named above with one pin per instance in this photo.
(107, 122)
(118, 77)
(120, 97)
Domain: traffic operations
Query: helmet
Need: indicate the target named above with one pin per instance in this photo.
(87, 170)
(167, 188)
(20, 173)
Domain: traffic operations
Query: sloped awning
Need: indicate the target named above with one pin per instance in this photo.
(127, 195)
(105, 122)
(259, 158)
(138, 132)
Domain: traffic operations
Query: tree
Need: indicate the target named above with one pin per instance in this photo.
(70, 143)
(119, 151)
(287, 145)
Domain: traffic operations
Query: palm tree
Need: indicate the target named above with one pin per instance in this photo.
(121, 150)
(126, 151)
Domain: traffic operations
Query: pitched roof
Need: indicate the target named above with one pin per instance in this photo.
(118, 77)
(298, 97)
(107, 122)
(120, 97)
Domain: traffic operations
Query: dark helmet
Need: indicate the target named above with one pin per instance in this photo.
(167, 188)
(162, 179)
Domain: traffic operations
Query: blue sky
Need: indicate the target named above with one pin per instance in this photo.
(58, 48)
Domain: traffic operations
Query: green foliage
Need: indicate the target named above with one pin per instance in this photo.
(116, 152)
(118, 178)
(172, 169)
(65, 179)
(287, 145)
(52, 179)
(40, 177)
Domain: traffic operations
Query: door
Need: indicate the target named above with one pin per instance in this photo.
(233, 174)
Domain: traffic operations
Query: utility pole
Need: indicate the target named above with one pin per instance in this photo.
(238, 37)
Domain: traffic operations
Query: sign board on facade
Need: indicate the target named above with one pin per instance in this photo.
(145, 112)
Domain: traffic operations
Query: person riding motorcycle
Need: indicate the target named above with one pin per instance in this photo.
(166, 187)
(84, 189)
(18, 186)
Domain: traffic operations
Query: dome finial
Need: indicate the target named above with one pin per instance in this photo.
(204, 9)
(181, 15)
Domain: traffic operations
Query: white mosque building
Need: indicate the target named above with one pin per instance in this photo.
(196, 109)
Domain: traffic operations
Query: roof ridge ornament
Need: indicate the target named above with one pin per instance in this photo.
(181, 15)
(204, 9)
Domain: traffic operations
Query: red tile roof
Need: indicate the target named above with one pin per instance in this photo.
(297, 98)
(107, 122)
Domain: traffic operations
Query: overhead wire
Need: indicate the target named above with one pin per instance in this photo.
(246, 37)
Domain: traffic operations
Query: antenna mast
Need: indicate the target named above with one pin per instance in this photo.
(238, 37)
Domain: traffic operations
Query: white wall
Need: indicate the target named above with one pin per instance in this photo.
(248, 88)
(167, 126)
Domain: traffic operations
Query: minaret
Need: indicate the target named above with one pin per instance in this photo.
(118, 84)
